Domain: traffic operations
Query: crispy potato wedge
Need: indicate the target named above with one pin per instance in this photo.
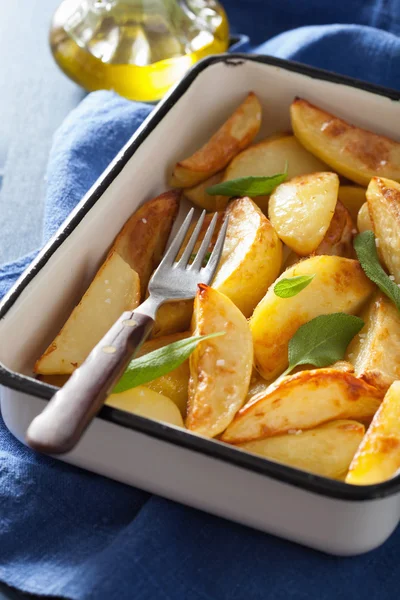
(251, 258)
(339, 285)
(338, 240)
(220, 368)
(146, 403)
(250, 262)
(175, 317)
(378, 457)
(303, 401)
(56, 380)
(142, 240)
(353, 152)
(198, 194)
(364, 222)
(257, 385)
(343, 365)
(301, 210)
(114, 289)
(234, 135)
(352, 197)
(268, 158)
(383, 198)
(375, 351)
(326, 450)
(174, 385)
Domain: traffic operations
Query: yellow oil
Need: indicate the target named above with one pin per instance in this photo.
(138, 48)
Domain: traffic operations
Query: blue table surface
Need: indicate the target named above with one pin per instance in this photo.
(34, 98)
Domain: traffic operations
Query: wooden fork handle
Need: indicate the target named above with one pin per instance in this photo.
(60, 426)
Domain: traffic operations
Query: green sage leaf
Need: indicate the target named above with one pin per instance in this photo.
(365, 247)
(248, 186)
(323, 340)
(159, 362)
(291, 286)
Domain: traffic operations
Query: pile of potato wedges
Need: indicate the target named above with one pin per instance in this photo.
(341, 421)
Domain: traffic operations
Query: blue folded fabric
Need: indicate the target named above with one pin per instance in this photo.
(69, 533)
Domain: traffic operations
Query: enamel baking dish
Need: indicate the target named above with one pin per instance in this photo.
(324, 514)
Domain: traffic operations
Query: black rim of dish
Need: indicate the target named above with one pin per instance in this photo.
(180, 437)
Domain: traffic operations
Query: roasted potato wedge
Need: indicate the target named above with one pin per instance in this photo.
(383, 198)
(353, 152)
(364, 222)
(146, 403)
(142, 240)
(375, 351)
(301, 210)
(257, 385)
(198, 194)
(339, 285)
(268, 158)
(174, 384)
(250, 262)
(378, 457)
(220, 368)
(251, 258)
(352, 197)
(326, 450)
(175, 317)
(56, 380)
(338, 240)
(234, 135)
(303, 401)
(114, 289)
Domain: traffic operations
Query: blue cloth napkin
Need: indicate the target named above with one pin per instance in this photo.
(69, 533)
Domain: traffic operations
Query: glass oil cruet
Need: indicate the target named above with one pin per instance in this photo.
(139, 48)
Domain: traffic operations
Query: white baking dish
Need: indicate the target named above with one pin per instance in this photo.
(321, 513)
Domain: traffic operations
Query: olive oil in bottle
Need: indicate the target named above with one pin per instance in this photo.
(139, 48)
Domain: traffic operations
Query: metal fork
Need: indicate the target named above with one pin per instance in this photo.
(60, 426)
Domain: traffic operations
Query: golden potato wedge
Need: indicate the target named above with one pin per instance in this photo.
(251, 257)
(383, 198)
(364, 222)
(339, 285)
(56, 380)
(301, 210)
(326, 450)
(352, 197)
(175, 317)
(378, 457)
(250, 262)
(268, 158)
(338, 240)
(353, 152)
(114, 289)
(142, 240)
(174, 384)
(146, 403)
(234, 135)
(257, 385)
(198, 194)
(375, 351)
(220, 368)
(303, 401)
(343, 365)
